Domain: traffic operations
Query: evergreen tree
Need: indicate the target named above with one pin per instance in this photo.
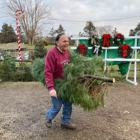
(8, 34)
(4, 33)
(52, 33)
(81, 84)
(12, 35)
(134, 31)
(60, 29)
(90, 29)
(8, 68)
(131, 32)
(51, 36)
(37, 70)
(40, 50)
(1, 38)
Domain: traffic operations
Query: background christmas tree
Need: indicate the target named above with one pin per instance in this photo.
(40, 50)
(37, 70)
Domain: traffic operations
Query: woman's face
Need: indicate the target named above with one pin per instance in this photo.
(63, 43)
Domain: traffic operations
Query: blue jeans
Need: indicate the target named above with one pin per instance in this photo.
(55, 108)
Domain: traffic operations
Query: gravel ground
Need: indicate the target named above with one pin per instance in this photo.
(23, 107)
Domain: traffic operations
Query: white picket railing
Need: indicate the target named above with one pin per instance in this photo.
(133, 59)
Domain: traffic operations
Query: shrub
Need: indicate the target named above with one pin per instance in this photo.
(23, 73)
(9, 71)
(8, 68)
(45, 42)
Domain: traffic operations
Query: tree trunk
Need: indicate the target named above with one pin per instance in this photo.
(29, 41)
(33, 38)
(111, 80)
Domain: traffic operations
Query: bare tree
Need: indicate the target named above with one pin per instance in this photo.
(107, 29)
(37, 13)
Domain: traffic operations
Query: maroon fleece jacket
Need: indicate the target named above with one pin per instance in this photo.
(54, 62)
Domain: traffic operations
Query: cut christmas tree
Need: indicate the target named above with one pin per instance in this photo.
(84, 82)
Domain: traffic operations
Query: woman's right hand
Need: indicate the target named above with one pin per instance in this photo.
(53, 93)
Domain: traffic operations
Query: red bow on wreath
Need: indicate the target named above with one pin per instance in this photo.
(119, 35)
(118, 39)
(106, 40)
(125, 48)
(82, 49)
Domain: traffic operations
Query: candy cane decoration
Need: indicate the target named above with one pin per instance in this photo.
(18, 14)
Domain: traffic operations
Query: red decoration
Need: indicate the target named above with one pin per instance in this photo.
(124, 50)
(106, 40)
(82, 49)
(119, 39)
(119, 35)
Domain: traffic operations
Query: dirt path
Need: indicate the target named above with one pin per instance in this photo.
(23, 107)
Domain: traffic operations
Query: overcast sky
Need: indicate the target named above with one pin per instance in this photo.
(97, 11)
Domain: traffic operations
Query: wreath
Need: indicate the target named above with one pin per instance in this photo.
(82, 49)
(106, 40)
(118, 39)
(124, 50)
(93, 41)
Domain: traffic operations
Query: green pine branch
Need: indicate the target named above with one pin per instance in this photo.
(82, 84)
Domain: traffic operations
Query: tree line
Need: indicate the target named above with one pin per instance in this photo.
(8, 34)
